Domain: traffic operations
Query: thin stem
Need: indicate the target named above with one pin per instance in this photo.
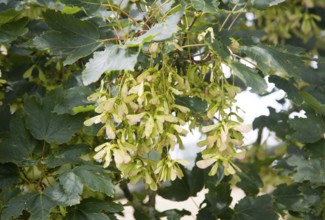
(227, 18)
(194, 45)
(123, 12)
(154, 12)
(112, 39)
(233, 22)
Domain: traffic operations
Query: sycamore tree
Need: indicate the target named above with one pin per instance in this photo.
(95, 94)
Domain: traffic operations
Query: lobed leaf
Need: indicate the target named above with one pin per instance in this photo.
(68, 37)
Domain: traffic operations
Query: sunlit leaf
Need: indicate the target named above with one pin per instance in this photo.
(96, 178)
(108, 60)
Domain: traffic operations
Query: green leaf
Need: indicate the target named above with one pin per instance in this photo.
(46, 125)
(313, 102)
(250, 181)
(289, 88)
(77, 214)
(249, 77)
(68, 192)
(308, 169)
(68, 36)
(206, 6)
(174, 214)
(182, 189)
(263, 4)
(289, 198)
(70, 154)
(96, 178)
(219, 197)
(113, 57)
(219, 45)
(315, 150)
(8, 15)
(16, 148)
(38, 205)
(194, 103)
(259, 208)
(307, 130)
(159, 32)
(9, 174)
(72, 98)
(11, 31)
(270, 60)
(96, 205)
(90, 6)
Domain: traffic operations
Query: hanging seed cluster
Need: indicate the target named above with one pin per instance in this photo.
(142, 121)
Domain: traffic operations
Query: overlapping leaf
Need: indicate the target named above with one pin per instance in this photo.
(262, 4)
(159, 32)
(11, 31)
(206, 6)
(69, 37)
(16, 148)
(250, 77)
(308, 169)
(289, 88)
(270, 60)
(38, 205)
(46, 125)
(259, 208)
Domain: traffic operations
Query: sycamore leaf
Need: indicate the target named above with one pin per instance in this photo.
(72, 187)
(96, 178)
(38, 205)
(308, 169)
(289, 88)
(313, 102)
(302, 128)
(206, 6)
(113, 57)
(48, 126)
(289, 197)
(11, 31)
(77, 214)
(249, 77)
(16, 148)
(96, 205)
(9, 174)
(263, 4)
(8, 15)
(158, 32)
(69, 154)
(195, 104)
(72, 98)
(68, 36)
(270, 60)
(259, 208)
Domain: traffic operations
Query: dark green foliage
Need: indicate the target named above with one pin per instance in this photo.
(56, 56)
